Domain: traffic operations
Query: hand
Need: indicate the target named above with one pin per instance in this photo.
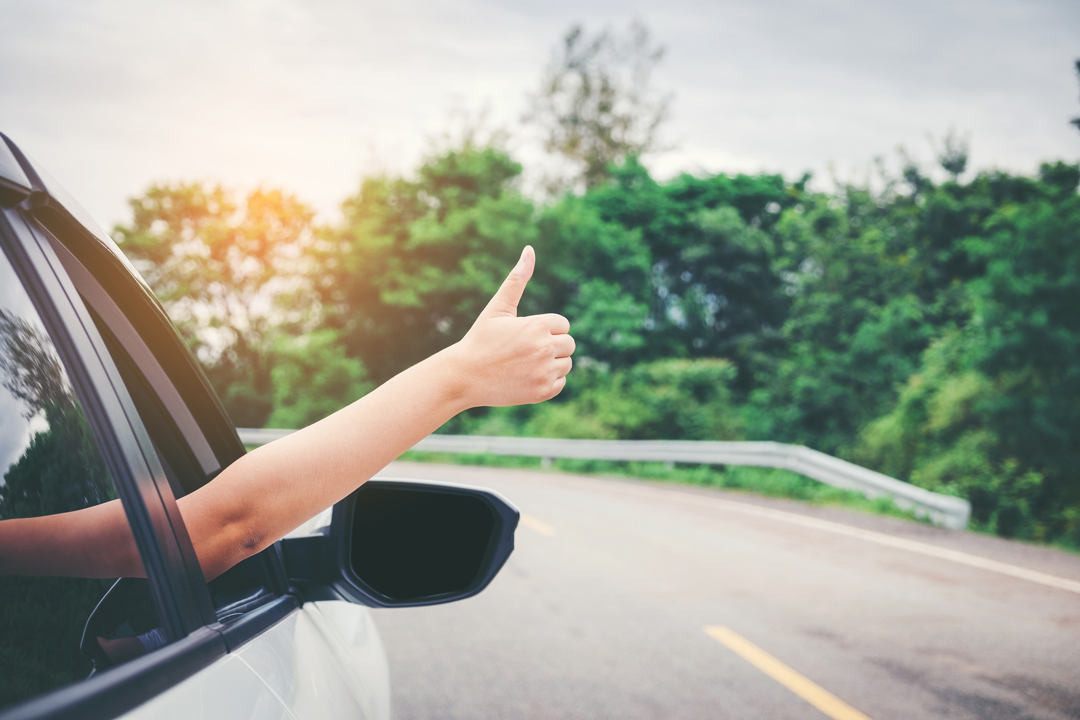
(507, 360)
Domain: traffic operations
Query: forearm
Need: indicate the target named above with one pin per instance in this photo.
(95, 542)
(275, 488)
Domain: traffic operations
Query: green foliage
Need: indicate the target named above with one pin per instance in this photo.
(667, 399)
(924, 329)
(600, 280)
(647, 270)
(992, 413)
(416, 260)
(675, 399)
(312, 378)
(228, 272)
(770, 482)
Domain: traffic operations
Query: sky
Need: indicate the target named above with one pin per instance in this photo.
(312, 95)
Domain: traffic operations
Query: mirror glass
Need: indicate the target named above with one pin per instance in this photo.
(412, 543)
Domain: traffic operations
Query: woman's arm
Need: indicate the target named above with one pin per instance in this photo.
(502, 360)
(95, 542)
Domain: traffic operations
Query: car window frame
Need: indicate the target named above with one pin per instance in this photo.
(146, 338)
(34, 232)
(120, 442)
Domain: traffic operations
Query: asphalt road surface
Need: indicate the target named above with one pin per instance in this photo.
(628, 600)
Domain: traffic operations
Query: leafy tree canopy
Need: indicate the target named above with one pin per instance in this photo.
(595, 104)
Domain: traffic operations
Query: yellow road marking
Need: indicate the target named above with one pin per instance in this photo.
(538, 525)
(812, 693)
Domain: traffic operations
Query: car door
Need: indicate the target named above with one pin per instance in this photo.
(324, 659)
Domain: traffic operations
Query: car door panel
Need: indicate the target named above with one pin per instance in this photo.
(319, 674)
(228, 688)
(354, 639)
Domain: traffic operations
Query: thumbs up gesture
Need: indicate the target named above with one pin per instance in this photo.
(511, 360)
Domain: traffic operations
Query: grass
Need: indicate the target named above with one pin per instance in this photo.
(769, 482)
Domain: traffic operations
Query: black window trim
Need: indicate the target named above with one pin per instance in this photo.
(102, 303)
(67, 225)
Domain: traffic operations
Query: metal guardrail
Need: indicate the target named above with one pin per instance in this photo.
(945, 510)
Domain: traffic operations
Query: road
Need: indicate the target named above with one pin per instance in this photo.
(629, 600)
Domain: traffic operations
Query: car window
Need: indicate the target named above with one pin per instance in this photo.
(189, 432)
(247, 585)
(50, 464)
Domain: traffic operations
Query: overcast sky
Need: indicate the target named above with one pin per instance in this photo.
(310, 95)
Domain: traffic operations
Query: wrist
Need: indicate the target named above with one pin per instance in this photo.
(454, 378)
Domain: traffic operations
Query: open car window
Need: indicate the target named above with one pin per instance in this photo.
(179, 441)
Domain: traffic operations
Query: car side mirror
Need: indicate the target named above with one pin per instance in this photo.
(403, 543)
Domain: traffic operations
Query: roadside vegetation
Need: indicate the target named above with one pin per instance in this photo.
(923, 322)
(768, 482)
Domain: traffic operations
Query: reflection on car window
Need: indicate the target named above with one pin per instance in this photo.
(49, 464)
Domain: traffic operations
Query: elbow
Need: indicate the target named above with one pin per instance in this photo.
(229, 546)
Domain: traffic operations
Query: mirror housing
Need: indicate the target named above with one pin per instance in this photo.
(405, 543)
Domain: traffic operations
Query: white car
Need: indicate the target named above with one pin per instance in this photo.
(101, 399)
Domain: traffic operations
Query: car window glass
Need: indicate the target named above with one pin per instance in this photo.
(246, 585)
(50, 464)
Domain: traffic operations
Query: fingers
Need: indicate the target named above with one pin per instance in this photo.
(563, 366)
(556, 388)
(557, 324)
(564, 346)
(505, 302)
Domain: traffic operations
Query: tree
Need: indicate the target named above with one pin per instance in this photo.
(417, 259)
(595, 105)
(31, 371)
(953, 154)
(991, 412)
(677, 269)
(312, 378)
(1076, 120)
(59, 470)
(675, 399)
(230, 274)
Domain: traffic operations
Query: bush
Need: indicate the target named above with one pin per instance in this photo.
(312, 378)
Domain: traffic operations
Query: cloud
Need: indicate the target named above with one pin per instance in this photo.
(310, 95)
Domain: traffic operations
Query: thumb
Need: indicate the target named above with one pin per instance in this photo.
(505, 301)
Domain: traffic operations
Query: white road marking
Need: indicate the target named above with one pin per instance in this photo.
(913, 546)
